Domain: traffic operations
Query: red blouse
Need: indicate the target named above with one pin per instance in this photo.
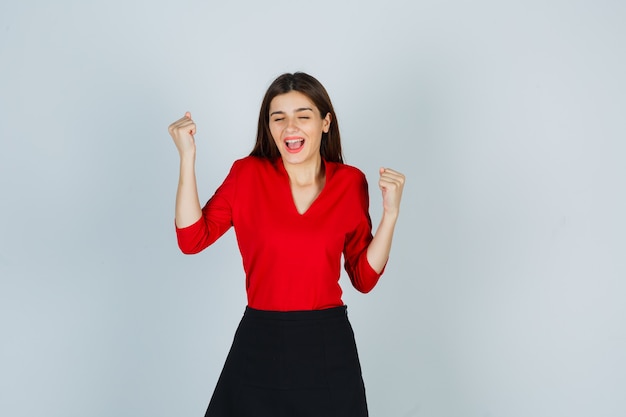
(292, 261)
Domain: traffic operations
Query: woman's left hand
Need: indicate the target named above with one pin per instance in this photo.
(391, 184)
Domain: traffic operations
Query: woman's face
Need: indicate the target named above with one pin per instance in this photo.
(297, 127)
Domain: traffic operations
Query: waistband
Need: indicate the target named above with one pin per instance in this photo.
(328, 313)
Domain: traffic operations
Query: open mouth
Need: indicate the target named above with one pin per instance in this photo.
(294, 145)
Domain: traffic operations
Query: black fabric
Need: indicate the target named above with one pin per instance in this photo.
(291, 364)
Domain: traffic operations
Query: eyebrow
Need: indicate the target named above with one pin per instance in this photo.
(296, 111)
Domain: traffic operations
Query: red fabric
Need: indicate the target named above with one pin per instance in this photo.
(292, 261)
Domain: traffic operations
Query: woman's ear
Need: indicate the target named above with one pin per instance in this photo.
(326, 122)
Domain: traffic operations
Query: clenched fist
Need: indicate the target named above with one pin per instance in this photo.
(391, 184)
(182, 132)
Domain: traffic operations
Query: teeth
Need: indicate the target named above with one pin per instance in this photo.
(294, 143)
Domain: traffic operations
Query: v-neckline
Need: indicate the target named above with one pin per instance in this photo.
(290, 192)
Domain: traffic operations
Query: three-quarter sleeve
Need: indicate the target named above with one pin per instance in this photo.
(360, 272)
(216, 218)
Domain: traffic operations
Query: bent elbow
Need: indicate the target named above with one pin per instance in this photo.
(365, 288)
(363, 277)
(188, 251)
(190, 248)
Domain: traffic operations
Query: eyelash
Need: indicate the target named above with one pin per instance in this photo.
(280, 119)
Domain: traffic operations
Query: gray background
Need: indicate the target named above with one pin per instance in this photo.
(505, 292)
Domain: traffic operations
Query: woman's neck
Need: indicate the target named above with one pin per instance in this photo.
(306, 174)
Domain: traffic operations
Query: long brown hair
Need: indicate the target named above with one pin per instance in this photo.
(330, 148)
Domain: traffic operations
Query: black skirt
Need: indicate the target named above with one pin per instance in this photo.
(291, 364)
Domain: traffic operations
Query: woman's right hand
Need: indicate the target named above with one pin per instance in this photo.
(182, 132)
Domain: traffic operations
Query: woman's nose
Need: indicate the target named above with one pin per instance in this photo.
(291, 124)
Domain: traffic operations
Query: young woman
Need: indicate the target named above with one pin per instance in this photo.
(296, 209)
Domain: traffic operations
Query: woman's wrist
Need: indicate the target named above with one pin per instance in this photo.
(389, 218)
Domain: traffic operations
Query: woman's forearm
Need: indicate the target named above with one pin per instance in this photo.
(188, 210)
(380, 246)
